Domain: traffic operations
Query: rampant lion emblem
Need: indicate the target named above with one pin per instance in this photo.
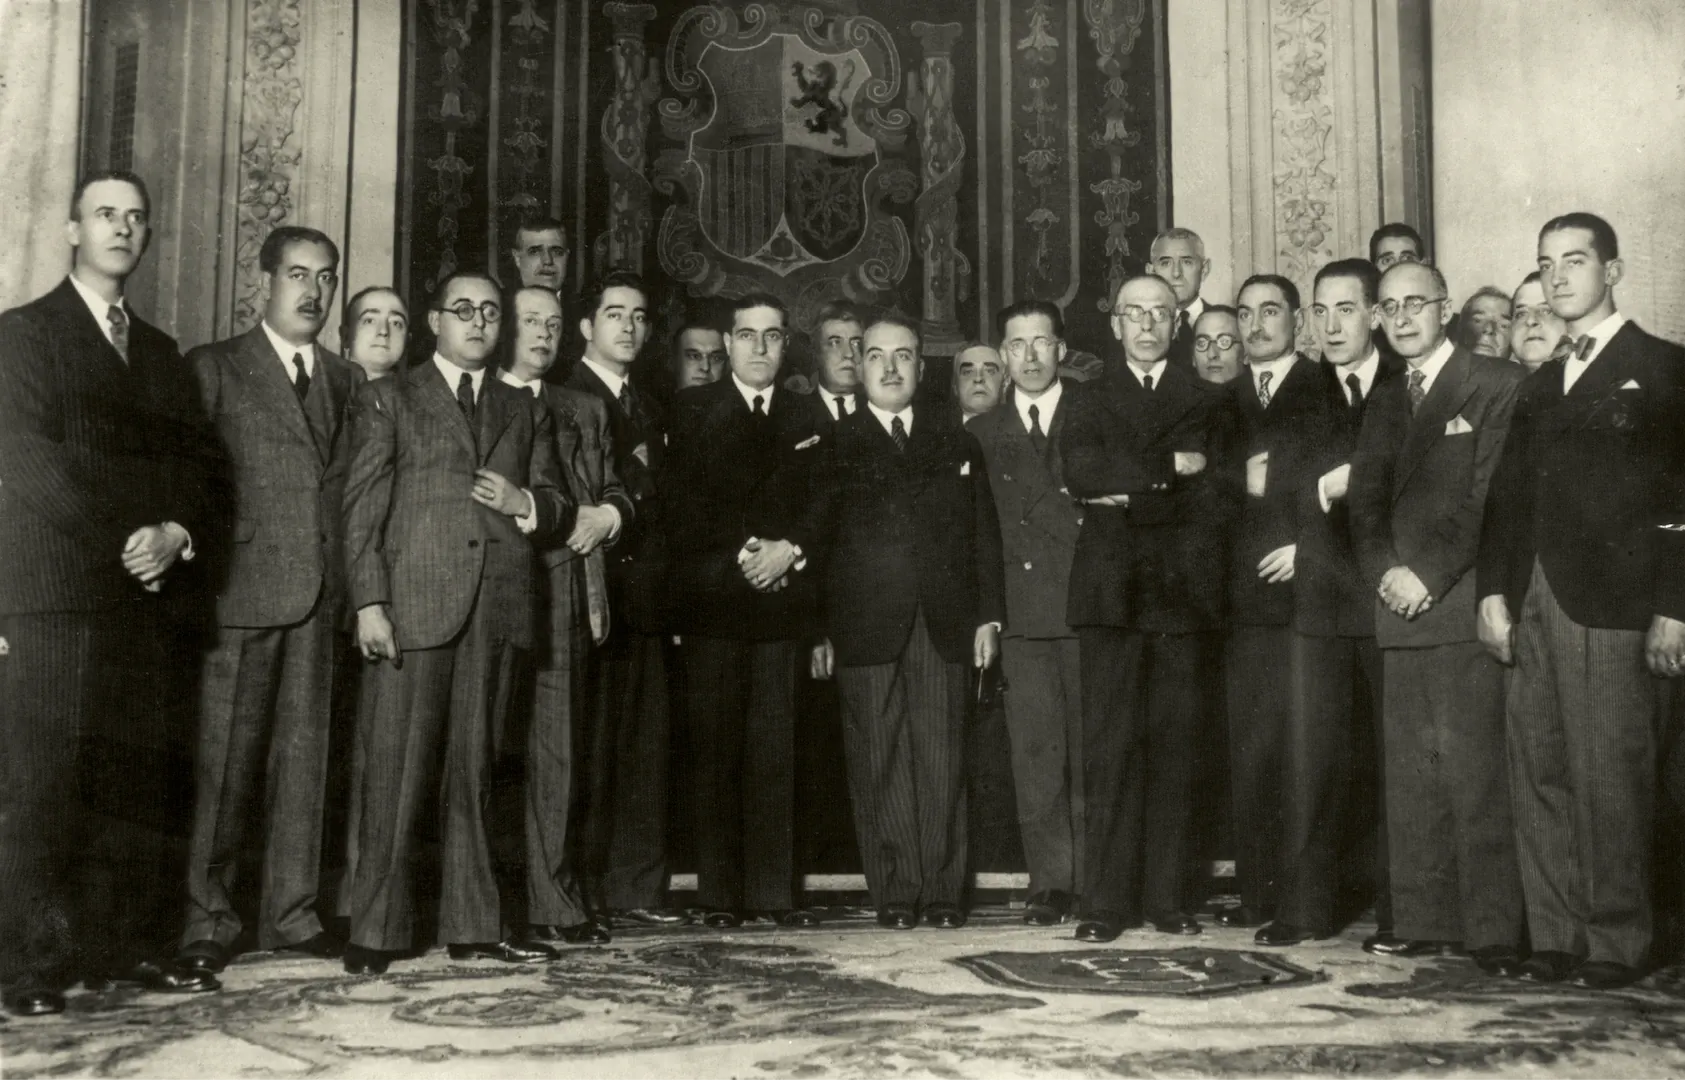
(822, 92)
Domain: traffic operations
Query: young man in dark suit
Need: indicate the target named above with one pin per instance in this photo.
(1038, 526)
(1290, 410)
(1424, 460)
(1149, 448)
(1334, 666)
(628, 738)
(575, 617)
(912, 601)
(453, 476)
(104, 463)
(1582, 585)
(740, 519)
(279, 401)
(1178, 256)
(839, 344)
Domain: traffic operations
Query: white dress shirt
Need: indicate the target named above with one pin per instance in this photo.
(286, 350)
(750, 394)
(1046, 405)
(830, 401)
(1430, 367)
(612, 379)
(1277, 370)
(1194, 310)
(100, 308)
(1600, 334)
(1366, 370)
(1155, 369)
(536, 386)
(885, 418)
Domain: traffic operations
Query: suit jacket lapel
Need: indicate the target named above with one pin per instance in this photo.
(1597, 383)
(494, 412)
(1445, 400)
(339, 392)
(100, 351)
(439, 398)
(265, 372)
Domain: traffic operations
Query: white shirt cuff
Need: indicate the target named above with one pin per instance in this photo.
(528, 522)
(614, 530)
(1322, 494)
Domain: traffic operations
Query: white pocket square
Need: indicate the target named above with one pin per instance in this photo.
(1458, 426)
(1631, 384)
(965, 469)
(807, 442)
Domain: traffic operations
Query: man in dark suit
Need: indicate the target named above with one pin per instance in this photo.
(575, 617)
(1217, 351)
(1178, 256)
(376, 330)
(1425, 458)
(912, 598)
(839, 343)
(699, 356)
(627, 739)
(1291, 410)
(104, 461)
(279, 402)
(1334, 666)
(1149, 448)
(540, 254)
(451, 472)
(739, 515)
(1038, 525)
(979, 381)
(1585, 545)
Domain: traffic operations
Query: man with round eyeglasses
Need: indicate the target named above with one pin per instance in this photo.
(1217, 353)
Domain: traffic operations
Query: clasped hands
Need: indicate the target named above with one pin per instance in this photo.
(151, 550)
(1403, 593)
(766, 563)
(493, 490)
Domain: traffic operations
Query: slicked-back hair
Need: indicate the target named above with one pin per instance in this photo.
(1395, 230)
(591, 297)
(1219, 309)
(895, 318)
(750, 301)
(1289, 291)
(350, 321)
(1055, 317)
(1361, 269)
(1603, 240)
(1128, 281)
(284, 236)
(1433, 271)
(127, 177)
(1534, 278)
(437, 300)
(693, 322)
(838, 311)
(1179, 233)
(537, 223)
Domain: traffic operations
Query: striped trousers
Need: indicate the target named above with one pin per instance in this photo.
(1582, 724)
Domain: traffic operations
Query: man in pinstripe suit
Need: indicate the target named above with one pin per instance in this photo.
(103, 464)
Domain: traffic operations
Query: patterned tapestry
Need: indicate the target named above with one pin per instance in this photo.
(943, 158)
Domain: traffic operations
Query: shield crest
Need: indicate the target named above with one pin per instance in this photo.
(783, 161)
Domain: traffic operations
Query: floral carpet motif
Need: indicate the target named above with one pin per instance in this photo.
(1172, 972)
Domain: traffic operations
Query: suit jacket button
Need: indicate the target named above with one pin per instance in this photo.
(473, 543)
(1079, 521)
(1026, 566)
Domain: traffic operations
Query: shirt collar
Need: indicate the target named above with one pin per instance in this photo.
(1366, 370)
(1156, 370)
(97, 305)
(1600, 335)
(613, 380)
(1436, 360)
(286, 350)
(1277, 369)
(750, 394)
(453, 375)
(829, 400)
(884, 416)
(1195, 308)
(512, 379)
(1045, 405)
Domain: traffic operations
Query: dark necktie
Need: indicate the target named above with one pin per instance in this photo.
(1038, 438)
(625, 397)
(301, 378)
(760, 407)
(1355, 385)
(1147, 383)
(119, 330)
(465, 396)
(1418, 392)
(1264, 378)
(898, 432)
(842, 407)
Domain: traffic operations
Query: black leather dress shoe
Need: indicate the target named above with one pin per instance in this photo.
(1284, 933)
(204, 955)
(722, 920)
(1502, 960)
(652, 917)
(509, 951)
(1418, 948)
(167, 977)
(797, 918)
(897, 917)
(585, 933)
(323, 946)
(1238, 918)
(1548, 966)
(1174, 922)
(361, 961)
(1101, 927)
(1606, 975)
(35, 1002)
(944, 916)
(1047, 908)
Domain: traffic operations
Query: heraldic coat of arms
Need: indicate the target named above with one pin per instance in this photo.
(785, 126)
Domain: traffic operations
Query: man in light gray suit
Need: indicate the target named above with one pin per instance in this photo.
(279, 402)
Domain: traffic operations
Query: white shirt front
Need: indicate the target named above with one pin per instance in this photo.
(1194, 310)
(1430, 367)
(100, 309)
(830, 400)
(612, 379)
(1600, 334)
(1276, 369)
(750, 394)
(1155, 371)
(1366, 370)
(453, 375)
(286, 350)
(1046, 405)
(886, 418)
(509, 378)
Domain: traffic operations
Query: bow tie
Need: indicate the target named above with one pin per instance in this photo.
(1578, 348)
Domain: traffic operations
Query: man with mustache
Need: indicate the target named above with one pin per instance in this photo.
(376, 330)
(1149, 448)
(279, 402)
(1291, 409)
(575, 617)
(979, 379)
(540, 254)
(1582, 585)
(104, 461)
(1425, 458)
(1535, 328)
(452, 479)
(1178, 256)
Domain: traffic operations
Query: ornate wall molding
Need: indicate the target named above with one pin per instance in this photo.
(1303, 126)
(269, 151)
(625, 127)
(525, 125)
(1042, 102)
(1114, 26)
(947, 272)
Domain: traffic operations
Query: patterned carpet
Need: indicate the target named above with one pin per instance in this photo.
(847, 1000)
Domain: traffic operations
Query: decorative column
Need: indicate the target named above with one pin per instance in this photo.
(625, 130)
(271, 92)
(947, 272)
